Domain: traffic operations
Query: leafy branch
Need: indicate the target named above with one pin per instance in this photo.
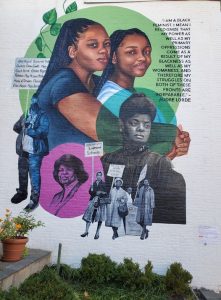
(50, 19)
(72, 7)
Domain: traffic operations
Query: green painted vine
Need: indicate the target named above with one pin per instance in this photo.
(53, 27)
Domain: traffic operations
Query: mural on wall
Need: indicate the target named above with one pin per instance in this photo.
(98, 95)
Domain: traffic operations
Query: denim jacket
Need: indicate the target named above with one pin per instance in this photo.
(39, 131)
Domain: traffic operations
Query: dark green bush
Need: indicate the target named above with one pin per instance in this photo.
(177, 280)
(128, 274)
(149, 279)
(12, 294)
(97, 269)
(69, 274)
(148, 275)
(46, 285)
(122, 281)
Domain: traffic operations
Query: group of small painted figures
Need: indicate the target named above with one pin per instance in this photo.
(112, 209)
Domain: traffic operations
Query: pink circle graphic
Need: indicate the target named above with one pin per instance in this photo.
(49, 187)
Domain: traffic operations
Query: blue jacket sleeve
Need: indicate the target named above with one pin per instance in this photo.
(42, 130)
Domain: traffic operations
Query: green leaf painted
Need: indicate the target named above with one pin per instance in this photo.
(38, 43)
(50, 17)
(55, 29)
(41, 55)
(71, 7)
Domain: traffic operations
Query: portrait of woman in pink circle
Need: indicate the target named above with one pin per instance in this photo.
(69, 173)
(66, 179)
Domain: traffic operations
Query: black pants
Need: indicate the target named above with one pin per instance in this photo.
(23, 167)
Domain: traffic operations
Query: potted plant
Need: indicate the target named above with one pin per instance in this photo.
(13, 231)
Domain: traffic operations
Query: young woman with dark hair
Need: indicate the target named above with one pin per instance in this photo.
(130, 57)
(81, 48)
(122, 69)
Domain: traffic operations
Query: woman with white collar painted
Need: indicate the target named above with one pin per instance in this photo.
(118, 196)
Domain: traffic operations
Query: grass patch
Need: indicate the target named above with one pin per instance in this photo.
(113, 292)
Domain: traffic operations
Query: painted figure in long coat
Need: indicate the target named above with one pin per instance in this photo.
(118, 197)
(96, 210)
(145, 202)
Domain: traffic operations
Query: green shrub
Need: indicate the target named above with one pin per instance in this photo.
(149, 279)
(177, 280)
(97, 269)
(68, 273)
(12, 293)
(148, 276)
(46, 285)
(123, 281)
(128, 274)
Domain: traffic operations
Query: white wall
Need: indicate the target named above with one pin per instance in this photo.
(20, 22)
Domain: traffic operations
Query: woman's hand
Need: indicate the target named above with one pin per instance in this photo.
(181, 145)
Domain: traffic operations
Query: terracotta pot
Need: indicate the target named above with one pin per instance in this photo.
(13, 249)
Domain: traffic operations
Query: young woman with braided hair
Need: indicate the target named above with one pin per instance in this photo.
(130, 57)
